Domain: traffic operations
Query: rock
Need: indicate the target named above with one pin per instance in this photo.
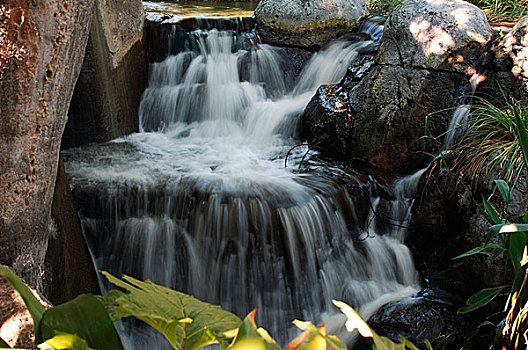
(415, 74)
(106, 99)
(435, 34)
(307, 23)
(445, 223)
(417, 319)
(512, 60)
(46, 41)
(69, 269)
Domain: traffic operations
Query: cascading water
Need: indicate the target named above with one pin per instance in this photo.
(200, 201)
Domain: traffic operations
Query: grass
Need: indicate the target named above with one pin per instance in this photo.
(496, 10)
(491, 144)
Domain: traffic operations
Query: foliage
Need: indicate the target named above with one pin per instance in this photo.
(503, 10)
(496, 10)
(491, 143)
(83, 316)
(186, 322)
(513, 236)
(63, 340)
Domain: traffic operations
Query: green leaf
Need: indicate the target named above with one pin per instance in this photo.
(481, 250)
(35, 308)
(517, 243)
(65, 341)
(84, 316)
(505, 229)
(504, 190)
(523, 135)
(408, 344)
(3, 344)
(384, 343)
(492, 215)
(480, 299)
(185, 321)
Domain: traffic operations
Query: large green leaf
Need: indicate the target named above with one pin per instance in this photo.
(480, 299)
(185, 321)
(84, 316)
(65, 341)
(35, 308)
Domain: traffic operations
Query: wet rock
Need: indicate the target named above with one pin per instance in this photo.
(308, 24)
(414, 75)
(327, 121)
(106, 99)
(445, 223)
(46, 41)
(417, 319)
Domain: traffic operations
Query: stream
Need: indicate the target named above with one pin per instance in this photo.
(200, 199)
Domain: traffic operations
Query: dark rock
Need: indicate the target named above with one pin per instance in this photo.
(417, 319)
(46, 41)
(69, 267)
(445, 223)
(106, 99)
(414, 75)
(307, 24)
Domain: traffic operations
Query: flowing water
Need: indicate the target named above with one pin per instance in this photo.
(200, 200)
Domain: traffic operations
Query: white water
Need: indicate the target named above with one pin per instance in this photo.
(200, 201)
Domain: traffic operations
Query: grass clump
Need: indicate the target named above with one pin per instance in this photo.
(490, 144)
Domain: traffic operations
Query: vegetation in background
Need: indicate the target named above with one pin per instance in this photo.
(187, 323)
(491, 142)
(496, 10)
(499, 134)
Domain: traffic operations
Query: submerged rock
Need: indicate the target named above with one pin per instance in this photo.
(310, 24)
(427, 54)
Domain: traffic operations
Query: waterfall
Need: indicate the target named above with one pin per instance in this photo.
(200, 200)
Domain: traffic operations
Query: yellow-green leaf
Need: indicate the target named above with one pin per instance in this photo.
(170, 312)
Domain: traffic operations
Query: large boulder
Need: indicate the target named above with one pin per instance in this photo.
(512, 61)
(307, 23)
(447, 222)
(428, 52)
(43, 44)
(106, 99)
